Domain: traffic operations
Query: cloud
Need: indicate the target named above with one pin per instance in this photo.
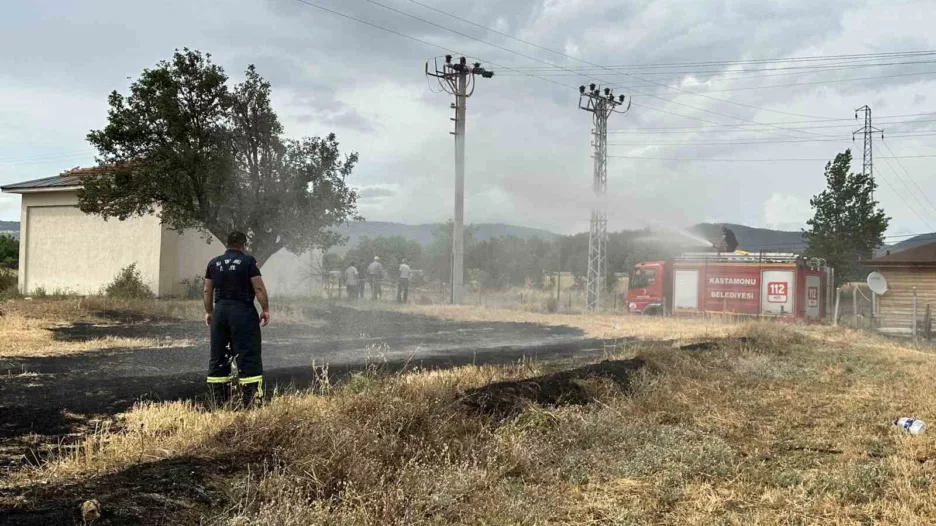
(528, 158)
(375, 193)
(786, 212)
(9, 207)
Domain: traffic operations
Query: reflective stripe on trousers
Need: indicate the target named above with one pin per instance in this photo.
(219, 379)
(253, 380)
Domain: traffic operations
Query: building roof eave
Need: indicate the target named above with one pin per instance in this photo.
(41, 190)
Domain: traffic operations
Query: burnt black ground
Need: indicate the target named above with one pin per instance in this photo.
(55, 402)
(60, 394)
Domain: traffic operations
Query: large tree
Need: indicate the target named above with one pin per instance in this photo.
(201, 155)
(847, 225)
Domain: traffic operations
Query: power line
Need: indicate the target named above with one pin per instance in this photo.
(806, 69)
(913, 194)
(905, 202)
(835, 81)
(757, 141)
(791, 84)
(732, 76)
(814, 58)
(908, 174)
(529, 57)
(704, 159)
(696, 130)
(437, 46)
(720, 78)
(789, 122)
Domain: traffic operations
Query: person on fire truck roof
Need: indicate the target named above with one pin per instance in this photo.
(729, 242)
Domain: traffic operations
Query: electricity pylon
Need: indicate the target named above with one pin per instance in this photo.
(601, 104)
(867, 161)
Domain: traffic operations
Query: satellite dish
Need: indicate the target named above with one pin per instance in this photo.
(877, 283)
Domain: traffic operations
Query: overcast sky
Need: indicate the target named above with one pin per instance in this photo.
(527, 145)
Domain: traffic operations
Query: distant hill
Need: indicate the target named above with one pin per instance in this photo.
(423, 233)
(10, 227)
(755, 239)
(913, 242)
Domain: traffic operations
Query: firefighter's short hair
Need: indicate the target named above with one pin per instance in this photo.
(236, 239)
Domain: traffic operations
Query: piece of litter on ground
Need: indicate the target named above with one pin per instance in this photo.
(911, 425)
(90, 510)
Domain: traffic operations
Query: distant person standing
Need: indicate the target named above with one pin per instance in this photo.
(351, 281)
(375, 272)
(402, 293)
(362, 273)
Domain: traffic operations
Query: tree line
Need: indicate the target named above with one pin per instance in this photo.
(501, 262)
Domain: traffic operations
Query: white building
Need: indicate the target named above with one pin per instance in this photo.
(64, 249)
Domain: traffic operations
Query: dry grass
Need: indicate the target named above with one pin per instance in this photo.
(98, 308)
(772, 425)
(22, 337)
(103, 309)
(25, 324)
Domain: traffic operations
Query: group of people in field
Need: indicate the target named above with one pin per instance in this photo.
(374, 275)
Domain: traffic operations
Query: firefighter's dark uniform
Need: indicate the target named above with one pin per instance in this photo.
(235, 326)
(729, 241)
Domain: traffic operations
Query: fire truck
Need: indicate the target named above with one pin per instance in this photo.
(753, 284)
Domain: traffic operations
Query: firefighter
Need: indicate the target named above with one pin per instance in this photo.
(728, 243)
(232, 282)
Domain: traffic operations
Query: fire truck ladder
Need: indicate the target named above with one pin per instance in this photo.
(760, 258)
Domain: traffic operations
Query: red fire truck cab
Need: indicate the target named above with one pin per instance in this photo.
(762, 284)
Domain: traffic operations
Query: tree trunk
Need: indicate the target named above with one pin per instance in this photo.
(262, 248)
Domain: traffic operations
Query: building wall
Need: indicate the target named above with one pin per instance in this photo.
(65, 249)
(184, 256)
(895, 307)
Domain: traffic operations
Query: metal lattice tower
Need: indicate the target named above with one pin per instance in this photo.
(867, 160)
(458, 79)
(601, 104)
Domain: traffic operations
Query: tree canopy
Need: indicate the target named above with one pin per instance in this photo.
(847, 225)
(9, 251)
(201, 155)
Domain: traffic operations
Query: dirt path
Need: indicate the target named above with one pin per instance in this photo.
(45, 399)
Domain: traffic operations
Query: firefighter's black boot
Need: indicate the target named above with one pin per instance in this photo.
(219, 394)
(251, 395)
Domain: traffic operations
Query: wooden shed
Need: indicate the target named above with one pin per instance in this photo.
(904, 271)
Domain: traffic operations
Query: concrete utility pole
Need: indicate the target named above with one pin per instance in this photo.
(458, 79)
(601, 104)
(867, 161)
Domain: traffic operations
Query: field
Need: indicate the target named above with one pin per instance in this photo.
(462, 415)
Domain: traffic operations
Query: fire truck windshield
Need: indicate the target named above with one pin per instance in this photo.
(643, 278)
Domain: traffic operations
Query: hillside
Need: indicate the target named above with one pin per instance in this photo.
(423, 233)
(913, 242)
(10, 227)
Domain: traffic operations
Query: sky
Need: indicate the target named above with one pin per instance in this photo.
(693, 146)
